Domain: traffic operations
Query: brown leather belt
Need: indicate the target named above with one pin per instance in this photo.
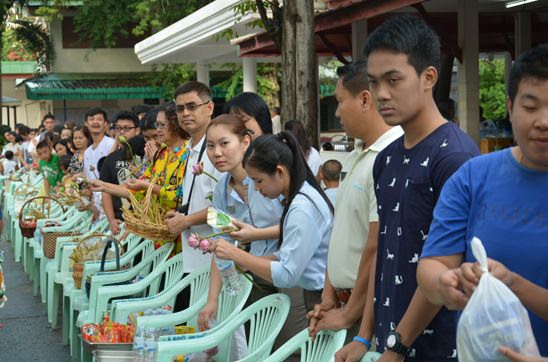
(343, 295)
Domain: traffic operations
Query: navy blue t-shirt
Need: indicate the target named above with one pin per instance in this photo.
(407, 185)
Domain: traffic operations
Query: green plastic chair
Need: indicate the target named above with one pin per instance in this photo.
(171, 271)
(50, 267)
(39, 257)
(76, 301)
(56, 277)
(371, 357)
(229, 306)
(29, 244)
(121, 309)
(68, 282)
(266, 316)
(322, 349)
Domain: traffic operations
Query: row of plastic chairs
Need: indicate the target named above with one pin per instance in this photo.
(160, 282)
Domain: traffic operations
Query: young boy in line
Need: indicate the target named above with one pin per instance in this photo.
(49, 166)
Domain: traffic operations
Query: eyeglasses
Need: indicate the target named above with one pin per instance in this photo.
(160, 125)
(125, 129)
(191, 107)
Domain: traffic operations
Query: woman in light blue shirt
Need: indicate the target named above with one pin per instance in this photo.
(278, 167)
(235, 194)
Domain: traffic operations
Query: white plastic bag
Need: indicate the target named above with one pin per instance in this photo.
(493, 317)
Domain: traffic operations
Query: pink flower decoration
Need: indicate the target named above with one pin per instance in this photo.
(193, 241)
(204, 245)
(198, 168)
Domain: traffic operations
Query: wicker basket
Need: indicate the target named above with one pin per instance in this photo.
(78, 267)
(141, 225)
(27, 230)
(154, 232)
(49, 243)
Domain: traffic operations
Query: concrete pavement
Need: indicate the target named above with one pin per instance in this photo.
(26, 334)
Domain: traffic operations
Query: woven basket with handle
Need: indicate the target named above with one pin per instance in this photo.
(138, 222)
(78, 267)
(43, 204)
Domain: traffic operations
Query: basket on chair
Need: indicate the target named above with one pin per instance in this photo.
(146, 217)
(81, 254)
(28, 227)
(49, 242)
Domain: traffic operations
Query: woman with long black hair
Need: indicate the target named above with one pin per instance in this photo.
(277, 166)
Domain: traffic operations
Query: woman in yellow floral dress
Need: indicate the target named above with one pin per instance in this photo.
(168, 163)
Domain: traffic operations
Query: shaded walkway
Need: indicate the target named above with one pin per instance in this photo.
(26, 334)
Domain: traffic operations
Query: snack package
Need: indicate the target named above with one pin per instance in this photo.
(494, 317)
(220, 220)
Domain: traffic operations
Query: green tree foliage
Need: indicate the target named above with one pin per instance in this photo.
(35, 37)
(170, 76)
(14, 50)
(492, 88)
(267, 82)
(104, 22)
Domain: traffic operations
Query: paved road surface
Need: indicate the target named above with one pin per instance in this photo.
(26, 334)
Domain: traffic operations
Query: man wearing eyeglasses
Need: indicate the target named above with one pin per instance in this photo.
(194, 105)
(116, 167)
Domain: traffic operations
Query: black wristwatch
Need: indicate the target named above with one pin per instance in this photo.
(393, 343)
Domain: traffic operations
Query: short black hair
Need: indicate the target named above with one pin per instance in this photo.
(9, 155)
(64, 161)
(354, 77)
(409, 35)
(200, 88)
(149, 119)
(43, 144)
(331, 170)
(531, 64)
(48, 115)
(94, 111)
(253, 105)
(24, 130)
(129, 116)
(58, 128)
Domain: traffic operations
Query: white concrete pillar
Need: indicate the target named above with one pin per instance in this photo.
(359, 34)
(202, 72)
(250, 74)
(468, 70)
(522, 32)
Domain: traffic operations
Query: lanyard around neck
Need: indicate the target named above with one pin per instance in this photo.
(202, 150)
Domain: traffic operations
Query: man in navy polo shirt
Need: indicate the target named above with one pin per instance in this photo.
(402, 64)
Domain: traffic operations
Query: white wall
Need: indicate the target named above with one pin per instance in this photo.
(29, 112)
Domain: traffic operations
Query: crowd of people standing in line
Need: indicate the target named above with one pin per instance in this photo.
(383, 253)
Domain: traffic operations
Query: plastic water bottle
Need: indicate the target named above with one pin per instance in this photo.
(151, 345)
(139, 345)
(231, 277)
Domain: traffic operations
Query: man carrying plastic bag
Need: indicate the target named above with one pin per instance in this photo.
(502, 199)
(493, 315)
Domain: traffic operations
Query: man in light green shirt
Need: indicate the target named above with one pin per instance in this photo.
(353, 242)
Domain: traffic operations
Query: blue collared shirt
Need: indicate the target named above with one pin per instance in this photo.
(302, 257)
(259, 211)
